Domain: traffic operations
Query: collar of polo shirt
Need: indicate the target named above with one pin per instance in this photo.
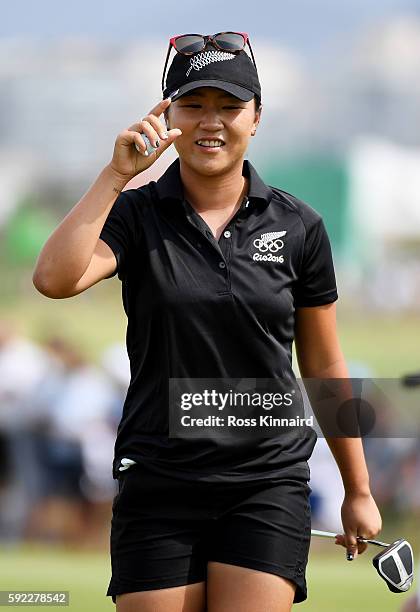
(169, 186)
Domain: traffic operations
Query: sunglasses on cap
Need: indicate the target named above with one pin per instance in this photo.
(188, 44)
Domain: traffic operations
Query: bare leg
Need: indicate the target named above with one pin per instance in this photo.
(411, 605)
(230, 587)
(188, 598)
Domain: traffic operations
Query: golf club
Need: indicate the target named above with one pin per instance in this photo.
(394, 565)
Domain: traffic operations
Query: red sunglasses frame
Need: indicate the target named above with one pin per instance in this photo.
(206, 39)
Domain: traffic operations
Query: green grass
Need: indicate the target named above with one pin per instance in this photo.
(334, 584)
(338, 585)
(85, 575)
(92, 320)
(388, 344)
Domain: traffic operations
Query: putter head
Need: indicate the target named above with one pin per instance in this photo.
(395, 565)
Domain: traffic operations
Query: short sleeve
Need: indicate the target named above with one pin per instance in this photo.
(121, 230)
(316, 284)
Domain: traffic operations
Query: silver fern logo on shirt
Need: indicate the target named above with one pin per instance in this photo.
(269, 245)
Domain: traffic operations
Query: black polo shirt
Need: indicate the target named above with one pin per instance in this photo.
(198, 307)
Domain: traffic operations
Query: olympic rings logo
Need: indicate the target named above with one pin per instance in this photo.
(272, 245)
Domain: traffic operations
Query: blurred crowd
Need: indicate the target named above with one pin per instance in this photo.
(59, 415)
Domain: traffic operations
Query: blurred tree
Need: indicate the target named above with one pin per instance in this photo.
(26, 232)
(319, 181)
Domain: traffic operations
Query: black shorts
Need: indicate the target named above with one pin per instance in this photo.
(164, 531)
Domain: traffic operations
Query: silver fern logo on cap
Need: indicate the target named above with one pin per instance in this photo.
(207, 57)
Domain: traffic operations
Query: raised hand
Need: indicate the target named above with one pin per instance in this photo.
(130, 151)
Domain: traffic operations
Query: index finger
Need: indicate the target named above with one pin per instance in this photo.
(160, 107)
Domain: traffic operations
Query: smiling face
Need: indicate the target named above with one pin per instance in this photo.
(211, 116)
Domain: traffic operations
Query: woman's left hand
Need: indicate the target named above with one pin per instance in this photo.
(360, 517)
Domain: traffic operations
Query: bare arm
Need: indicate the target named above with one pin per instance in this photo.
(319, 355)
(74, 258)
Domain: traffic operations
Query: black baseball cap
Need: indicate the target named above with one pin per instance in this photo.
(232, 72)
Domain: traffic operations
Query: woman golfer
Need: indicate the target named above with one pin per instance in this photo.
(220, 274)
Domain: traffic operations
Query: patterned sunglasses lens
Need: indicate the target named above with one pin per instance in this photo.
(230, 41)
(189, 44)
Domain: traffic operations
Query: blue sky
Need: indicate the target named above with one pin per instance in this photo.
(305, 25)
